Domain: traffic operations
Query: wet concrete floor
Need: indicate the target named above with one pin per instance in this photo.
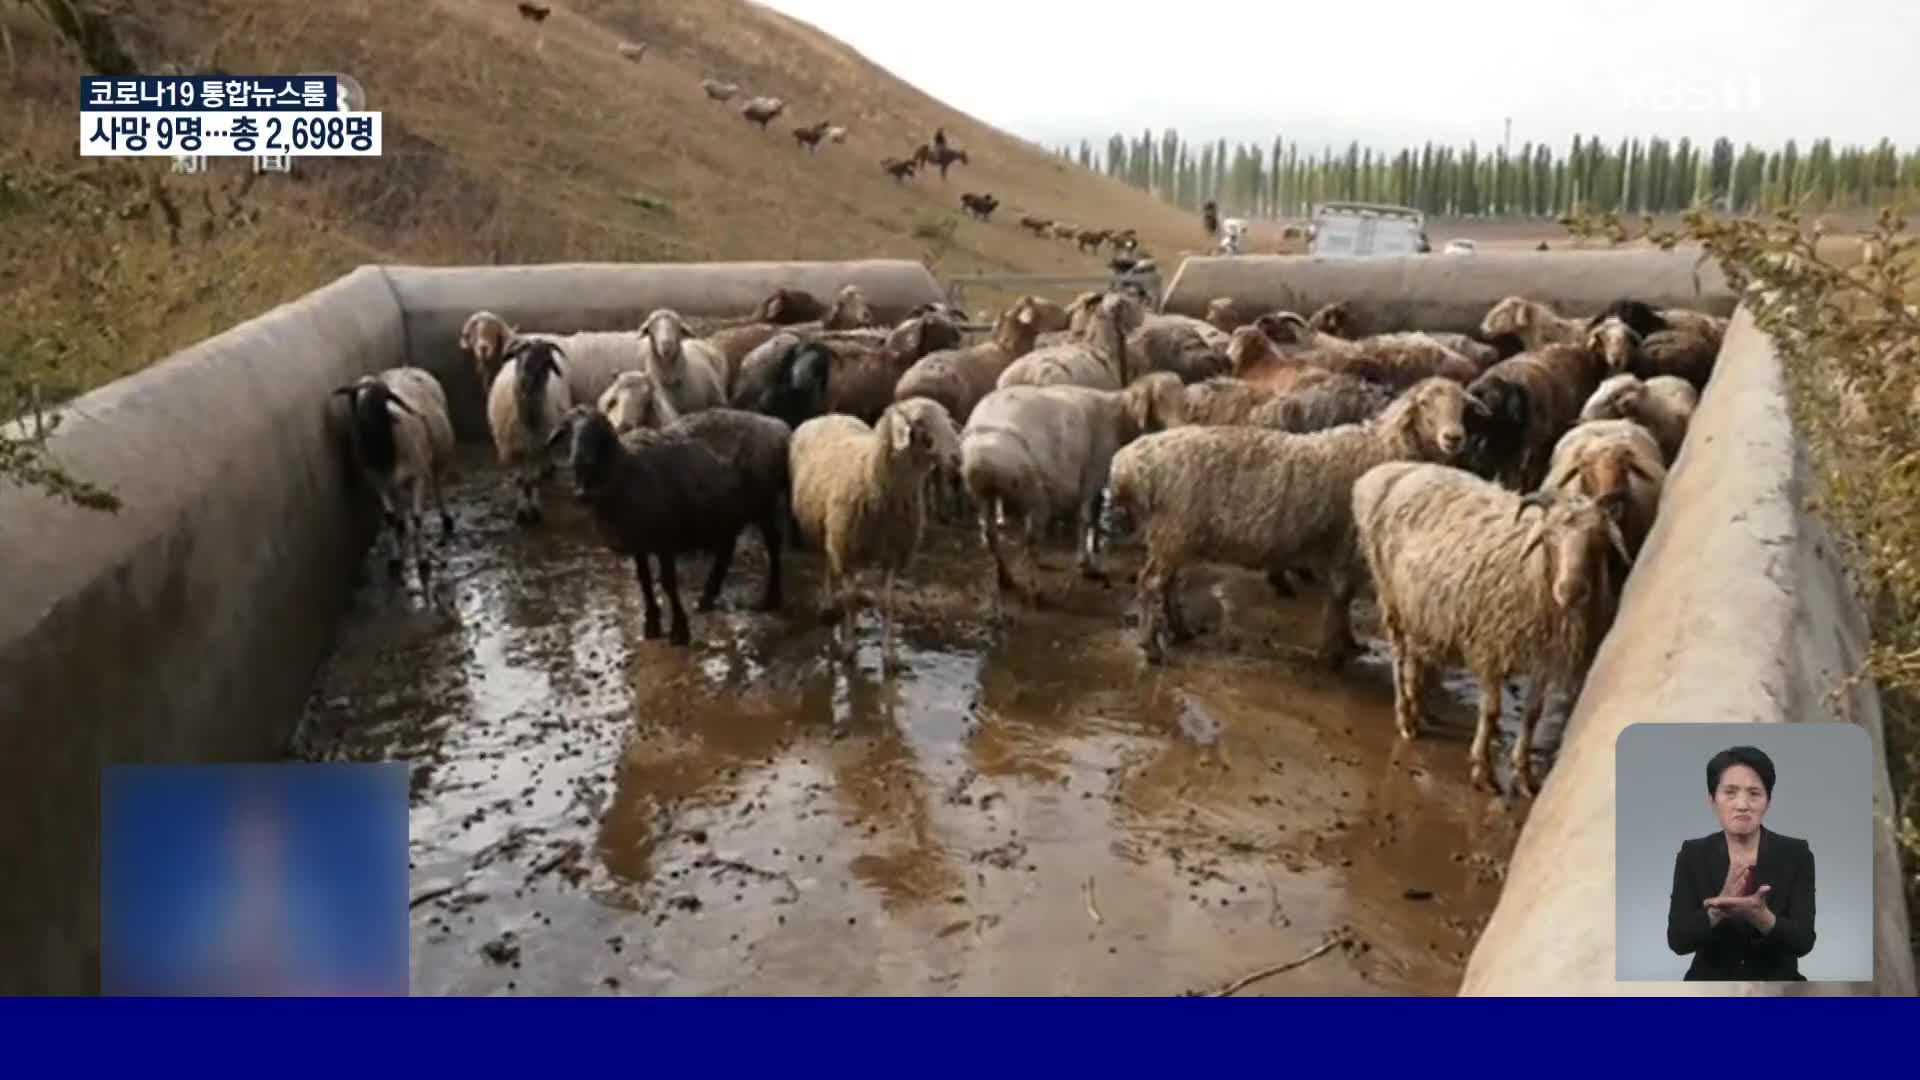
(1028, 810)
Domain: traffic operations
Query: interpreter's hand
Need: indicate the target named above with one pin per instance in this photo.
(1750, 909)
(1739, 878)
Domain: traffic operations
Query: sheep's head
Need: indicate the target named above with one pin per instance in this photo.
(1080, 312)
(1048, 315)
(1575, 533)
(850, 310)
(1512, 315)
(1017, 327)
(1335, 319)
(593, 447)
(635, 401)
(1154, 402)
(1614, 340)
(1606, 471)
(484, 336)
(666, 330)
(1221, 314)
(1246, 348)
(1639, 315)
(1433, 414)
(923, 334)
(1285, 328)
(799, 392)
(1619, 397)
(788, 306)
(920, 431)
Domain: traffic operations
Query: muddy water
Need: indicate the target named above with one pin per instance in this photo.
(1028, 810)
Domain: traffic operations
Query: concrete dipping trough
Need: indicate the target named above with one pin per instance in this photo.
(188, 626)
(1444, 292)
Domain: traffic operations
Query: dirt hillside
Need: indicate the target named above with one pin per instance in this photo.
(505, 142)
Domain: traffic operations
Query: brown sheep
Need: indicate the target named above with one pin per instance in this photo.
(1100, 360)
(1532, 399)
(958, 378)
(1253, 356)
(1616, 464)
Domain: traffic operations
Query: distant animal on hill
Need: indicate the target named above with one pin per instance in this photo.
(720, 91)
(979, 206)
(810, 135)
(896, 168)
(762, 110)
(632, 50)
(536, 13)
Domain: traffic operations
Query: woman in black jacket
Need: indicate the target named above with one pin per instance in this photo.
(1742, 900)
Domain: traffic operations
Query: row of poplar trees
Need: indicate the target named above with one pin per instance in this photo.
(1634, 176)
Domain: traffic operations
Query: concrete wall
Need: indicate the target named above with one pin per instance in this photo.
(1769, 620)
(1446, 292)
(187, 626)
(568, 297)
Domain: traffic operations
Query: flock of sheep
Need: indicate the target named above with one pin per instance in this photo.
(1491, 489)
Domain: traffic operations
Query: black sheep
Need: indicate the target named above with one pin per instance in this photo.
(673, 492)
(1639, 316)
(797, 392)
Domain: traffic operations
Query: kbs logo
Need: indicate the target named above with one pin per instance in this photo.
(1692, 96)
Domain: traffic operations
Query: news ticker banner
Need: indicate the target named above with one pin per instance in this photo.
(217, 116)
(239, 880)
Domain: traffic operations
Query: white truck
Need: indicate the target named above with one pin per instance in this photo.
(1357, 228)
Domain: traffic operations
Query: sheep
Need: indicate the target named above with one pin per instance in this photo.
(529, 400)
(1663, 405)
(795, 389)
(836, 134)
(1533, 322)
(1223, 316)
(671, 492)
(897, 169)
(1252, 356)
(959, 378)
(1531, 400)
(1100, 361)
(1397, 360)
(594, 358)
(978, 206)
(810, 135)
(1063, 230)
(1328, 400)
(534, 13)
(1070, 324)
(401, 438)
(1617, 464)
(486, 337)
(1270, 500)
(1090, 239)
(785, 307)
(635, 401)
(632, 50)
(1190, 348)
(1458, 574)
(859, 493)
(1337, 320)
(689, 373)
(762, 110)
(1038, 226)
(1034, 453)
(720, 91)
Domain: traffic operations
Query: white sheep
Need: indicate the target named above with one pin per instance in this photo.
(1663, 405)
(1033, 453)
(1458, 573)
(1534, 323)
(529, 400)
(635, 401)
(720, 91)
(1270, 500)
(1617, 464)
(688, 372)
(1100, 360)
(402, 440)
(859, 493)
(594, 358)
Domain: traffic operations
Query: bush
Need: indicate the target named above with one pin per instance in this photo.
(1846, 327)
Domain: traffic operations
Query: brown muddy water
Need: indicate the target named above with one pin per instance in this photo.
(1029, 810)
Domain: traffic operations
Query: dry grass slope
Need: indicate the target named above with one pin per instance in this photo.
(505, 142)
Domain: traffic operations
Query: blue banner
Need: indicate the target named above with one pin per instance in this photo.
(280, 879)
(1579, 1037)
(211, 93)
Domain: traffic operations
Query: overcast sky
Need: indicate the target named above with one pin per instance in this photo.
(1393, 74)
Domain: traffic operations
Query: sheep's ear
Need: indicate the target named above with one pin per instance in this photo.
(1479, 408)
(902, 431)
(395, 399)
(1522, 315)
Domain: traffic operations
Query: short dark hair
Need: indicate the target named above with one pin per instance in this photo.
(1750, 756)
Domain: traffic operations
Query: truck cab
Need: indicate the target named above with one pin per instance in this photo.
(1355, 228)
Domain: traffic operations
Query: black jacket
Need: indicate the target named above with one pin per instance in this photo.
(1735, 950)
